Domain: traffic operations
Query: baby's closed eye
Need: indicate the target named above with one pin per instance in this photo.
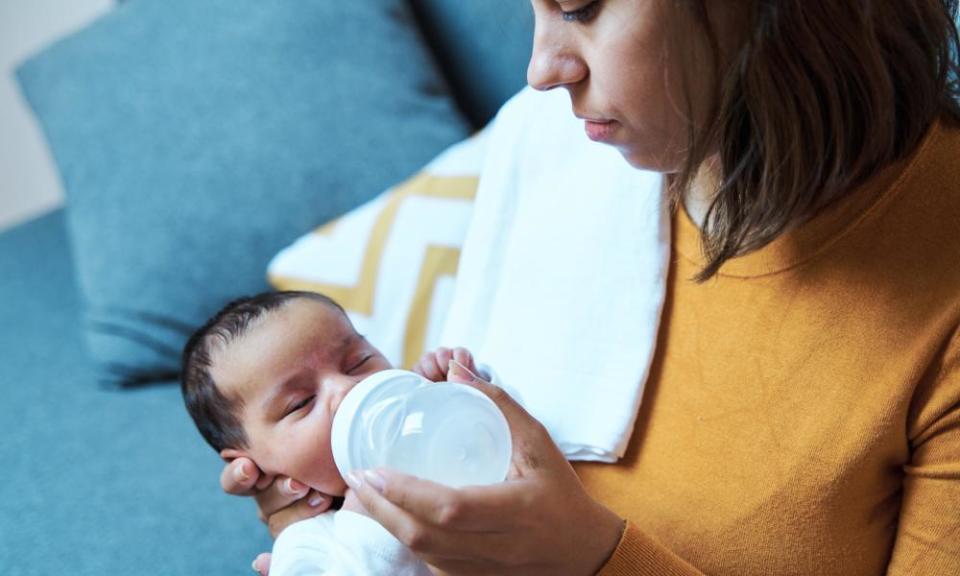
(298, 404)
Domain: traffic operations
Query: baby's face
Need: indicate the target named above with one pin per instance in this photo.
(289, 373)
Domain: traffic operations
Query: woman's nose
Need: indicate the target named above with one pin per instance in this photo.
(553, 64)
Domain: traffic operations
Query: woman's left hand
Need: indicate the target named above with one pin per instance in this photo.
(539, 521)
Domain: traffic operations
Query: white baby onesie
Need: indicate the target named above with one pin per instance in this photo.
(342, 543)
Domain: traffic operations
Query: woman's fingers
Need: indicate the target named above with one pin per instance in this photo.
(318, 501)
(524, 428)
(261, 564)
(280, 494)
(242, 477)
(434, 542)
(239, 477)
(396, 520)
(469, 509)
(314, 504)
(264, 482)
(540, 521)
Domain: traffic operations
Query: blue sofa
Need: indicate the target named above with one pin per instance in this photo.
(109, 480)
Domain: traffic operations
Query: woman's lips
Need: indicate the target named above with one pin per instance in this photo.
(600, 130)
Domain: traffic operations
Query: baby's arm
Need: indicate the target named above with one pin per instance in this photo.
(435, 365)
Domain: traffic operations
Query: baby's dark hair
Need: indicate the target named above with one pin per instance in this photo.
(213, 412)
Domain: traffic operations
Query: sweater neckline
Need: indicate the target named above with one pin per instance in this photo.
(815, 236)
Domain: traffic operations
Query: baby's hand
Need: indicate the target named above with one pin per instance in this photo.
(435, 365)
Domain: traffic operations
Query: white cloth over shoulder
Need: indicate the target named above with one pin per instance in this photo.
(562, 275)
(342, 543)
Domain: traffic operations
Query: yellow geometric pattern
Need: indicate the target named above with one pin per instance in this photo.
(438, 261)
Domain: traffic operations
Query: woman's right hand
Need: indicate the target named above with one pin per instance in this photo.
(540, 520)
(281, 501)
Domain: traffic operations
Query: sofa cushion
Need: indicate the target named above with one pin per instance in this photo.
(494, 36)
(97, 481)
(391, 263)
(195, 139)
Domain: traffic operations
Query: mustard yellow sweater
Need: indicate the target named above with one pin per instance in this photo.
(803, 412)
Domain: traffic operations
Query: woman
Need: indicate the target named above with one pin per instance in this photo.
(803, 411)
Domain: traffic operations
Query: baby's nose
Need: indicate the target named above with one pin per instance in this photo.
(339, 386)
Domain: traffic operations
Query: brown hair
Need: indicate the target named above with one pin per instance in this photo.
(817, 97)
(213, 412)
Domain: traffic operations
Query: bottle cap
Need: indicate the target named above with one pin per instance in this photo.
(386, 405)
(345, 417)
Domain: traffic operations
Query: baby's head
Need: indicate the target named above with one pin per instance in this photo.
(264, 377)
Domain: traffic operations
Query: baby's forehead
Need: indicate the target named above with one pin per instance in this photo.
(301, 330)
(292, 317)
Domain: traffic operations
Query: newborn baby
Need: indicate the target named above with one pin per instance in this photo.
(263, 380)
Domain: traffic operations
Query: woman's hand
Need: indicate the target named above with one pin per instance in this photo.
(281, 501)
(352, 503)
(539, 521)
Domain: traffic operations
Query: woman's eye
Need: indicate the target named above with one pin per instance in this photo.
(299, 405)
(582, 15)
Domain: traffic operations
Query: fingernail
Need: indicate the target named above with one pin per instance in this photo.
(375, 480)
(317, 500)
(263, 562)
(294, 487)
(240, 474)
(353, 480)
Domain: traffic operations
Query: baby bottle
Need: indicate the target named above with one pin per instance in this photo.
(445, 432)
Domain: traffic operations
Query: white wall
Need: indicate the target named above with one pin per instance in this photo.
(29, 183)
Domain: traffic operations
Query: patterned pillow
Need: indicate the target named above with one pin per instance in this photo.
(391, 263)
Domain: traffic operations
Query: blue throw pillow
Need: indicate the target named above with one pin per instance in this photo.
(494, 36)
(196, 138)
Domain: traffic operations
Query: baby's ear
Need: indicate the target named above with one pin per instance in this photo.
(230, 454)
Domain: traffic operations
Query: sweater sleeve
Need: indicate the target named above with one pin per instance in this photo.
(638, 554)
(928, 532)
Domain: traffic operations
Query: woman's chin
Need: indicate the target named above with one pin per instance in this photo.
(646, 160)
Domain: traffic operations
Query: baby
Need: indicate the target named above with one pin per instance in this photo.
(263, 380)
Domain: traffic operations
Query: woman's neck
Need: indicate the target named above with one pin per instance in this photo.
(703, 189)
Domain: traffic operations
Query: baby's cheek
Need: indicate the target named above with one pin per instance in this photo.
(321, 471)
